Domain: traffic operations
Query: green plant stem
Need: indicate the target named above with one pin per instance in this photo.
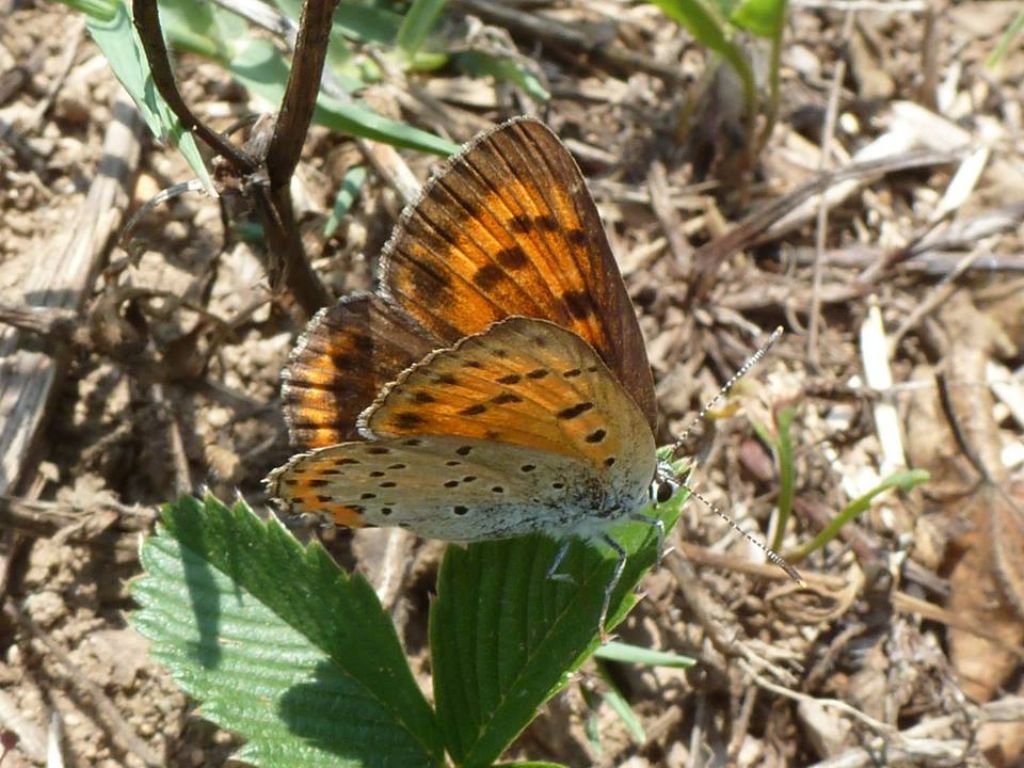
(771, 113)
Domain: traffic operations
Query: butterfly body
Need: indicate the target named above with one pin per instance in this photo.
(497, 385)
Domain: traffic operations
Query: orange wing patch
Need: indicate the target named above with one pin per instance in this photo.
(508, 228)
(347, 354)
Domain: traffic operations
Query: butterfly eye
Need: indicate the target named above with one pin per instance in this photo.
(664, 491)
(664, 484)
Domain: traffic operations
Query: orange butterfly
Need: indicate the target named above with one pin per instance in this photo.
(497, 384)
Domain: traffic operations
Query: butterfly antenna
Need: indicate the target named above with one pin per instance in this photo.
(751, 361)
(773, 557)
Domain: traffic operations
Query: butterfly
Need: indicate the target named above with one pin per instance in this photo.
(497, 383)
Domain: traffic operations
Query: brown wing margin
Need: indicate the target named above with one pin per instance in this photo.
(347, 354)
(508, 228)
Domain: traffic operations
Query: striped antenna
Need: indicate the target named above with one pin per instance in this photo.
(772, 556)
(753, 360)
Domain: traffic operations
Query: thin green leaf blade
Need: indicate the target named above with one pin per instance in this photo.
(632, 654)
(116, 37)
(618, 704)
(700, 18)
(763, 18)
(203, 28)
(260, 67)
(278, 644)
(347, 193)
(707, 24)
(505, 637)
(482, 64)
(1014, 31)
(904, 481)
(360, 121)
(418, 22)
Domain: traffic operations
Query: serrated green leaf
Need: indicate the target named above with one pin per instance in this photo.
(505, 637)
(278, 644)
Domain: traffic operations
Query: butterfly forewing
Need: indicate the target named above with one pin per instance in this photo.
(508, 228)
(454, 489)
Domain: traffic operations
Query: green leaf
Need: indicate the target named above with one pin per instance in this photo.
(617, 702)
(708, 26)
(259, 66)
(255, 62)
(904, 481)
(724, 8)
(360, 121)
(505, 637)
(278, 644)
(592, 722)
(205, 29)
(116, 37)
(480, 64)
(702, 19)
(100, 10)
(347, 193)
(632, 654)
(1014, 31)
(764, 18)
(783, 446)
(364, 22)
(418, 22)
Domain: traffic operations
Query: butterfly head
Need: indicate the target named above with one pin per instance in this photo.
(665, 483)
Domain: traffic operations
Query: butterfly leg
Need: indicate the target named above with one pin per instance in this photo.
(658, 525)
(612, 583)
(552, 573)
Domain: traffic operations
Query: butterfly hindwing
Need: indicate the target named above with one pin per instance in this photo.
(509, 228)
(528, 383)
(454, 489)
